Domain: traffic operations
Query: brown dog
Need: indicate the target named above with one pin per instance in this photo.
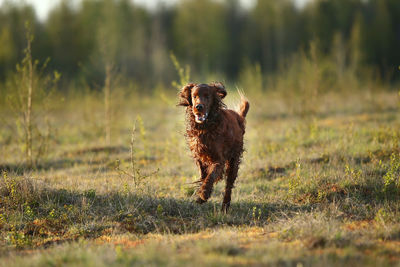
(215, 136)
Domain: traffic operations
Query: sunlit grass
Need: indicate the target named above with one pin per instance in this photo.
(319, 189)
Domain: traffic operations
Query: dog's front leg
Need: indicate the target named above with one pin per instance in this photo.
(214, 171)
(203, 170)
(231, 173)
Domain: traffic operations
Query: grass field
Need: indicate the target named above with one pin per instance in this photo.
(321, 188)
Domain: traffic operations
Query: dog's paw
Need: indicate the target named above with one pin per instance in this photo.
(199, 200)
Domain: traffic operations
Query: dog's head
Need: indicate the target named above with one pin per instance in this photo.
(201, 98)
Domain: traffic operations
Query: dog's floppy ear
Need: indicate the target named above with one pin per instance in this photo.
(220, 89)
(186, 95)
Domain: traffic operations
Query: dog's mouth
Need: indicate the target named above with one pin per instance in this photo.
(200, 118)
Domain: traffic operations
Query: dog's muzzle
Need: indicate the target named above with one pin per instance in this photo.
(200, 118)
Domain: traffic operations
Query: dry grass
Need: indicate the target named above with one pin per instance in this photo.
(321, 188)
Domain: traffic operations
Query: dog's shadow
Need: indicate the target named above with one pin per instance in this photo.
(140, 213)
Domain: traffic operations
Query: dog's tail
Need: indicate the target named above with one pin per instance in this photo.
(244, 104)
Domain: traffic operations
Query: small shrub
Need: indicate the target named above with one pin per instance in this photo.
(392, 177)
(183, 73)
(29, 215)
(256, 215)
(134, 172)
(29, 88)
(15, 192)
(384, 216)
(353, 174)
(17, 238)
(294, 182)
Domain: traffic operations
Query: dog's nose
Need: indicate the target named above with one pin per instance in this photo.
(199, 107)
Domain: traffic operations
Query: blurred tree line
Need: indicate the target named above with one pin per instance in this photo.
(214, 37)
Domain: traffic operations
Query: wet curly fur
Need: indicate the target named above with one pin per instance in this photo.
(215, 136)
